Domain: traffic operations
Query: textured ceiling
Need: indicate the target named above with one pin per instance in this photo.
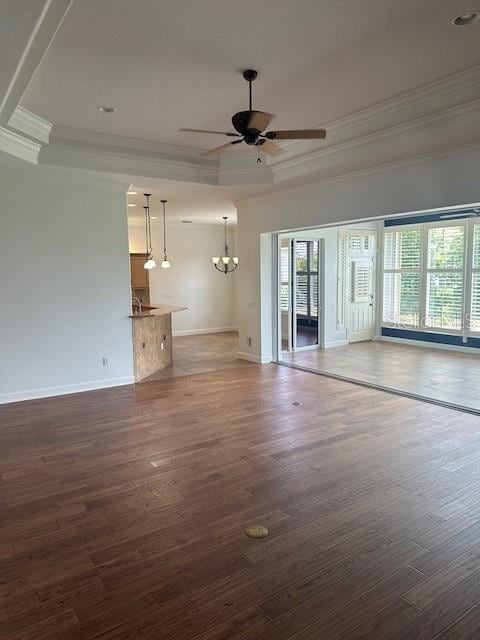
(175, 63)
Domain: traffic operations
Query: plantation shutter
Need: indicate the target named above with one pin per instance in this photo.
(475, 304)
(401, 277)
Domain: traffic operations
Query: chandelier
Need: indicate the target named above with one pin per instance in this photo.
(149, 260)
(225, 263)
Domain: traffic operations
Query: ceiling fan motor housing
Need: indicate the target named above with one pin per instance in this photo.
(240, 123)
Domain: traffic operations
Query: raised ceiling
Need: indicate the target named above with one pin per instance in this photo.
(175, 63)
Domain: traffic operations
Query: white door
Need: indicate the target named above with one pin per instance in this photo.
(361, 325)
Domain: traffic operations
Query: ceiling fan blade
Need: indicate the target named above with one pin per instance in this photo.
(260, 120)
(270, 148)
(297, 134)
(218, 150)
(223, 133)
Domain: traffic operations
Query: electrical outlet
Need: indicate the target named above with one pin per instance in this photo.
(105, 362)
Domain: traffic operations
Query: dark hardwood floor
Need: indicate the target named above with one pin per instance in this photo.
(122, 513)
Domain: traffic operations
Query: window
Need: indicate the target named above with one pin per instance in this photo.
(445, 277)
(431, 276)
(475, 298)
(401, 277)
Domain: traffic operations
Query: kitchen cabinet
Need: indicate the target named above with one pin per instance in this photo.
(138, 274)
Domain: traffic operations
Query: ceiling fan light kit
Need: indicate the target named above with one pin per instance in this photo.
(250, 127)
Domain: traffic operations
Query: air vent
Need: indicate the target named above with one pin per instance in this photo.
(187, 221)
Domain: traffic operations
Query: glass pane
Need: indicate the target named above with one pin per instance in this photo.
(476, 247)
(444, 300)
(389, 250)
(401, 249)
(284, 284)
(475, 310)
(301, 255)
(401, 298)
(314, 256)
(302, 295)
(445, 248)
(408, 249)
(314, 294)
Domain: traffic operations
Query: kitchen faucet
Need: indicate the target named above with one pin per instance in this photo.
(138, 303)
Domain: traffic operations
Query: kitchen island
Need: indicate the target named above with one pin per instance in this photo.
(152, 338)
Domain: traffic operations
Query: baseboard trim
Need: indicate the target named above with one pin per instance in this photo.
(200, 332)
(336, 343)
(428, 345)
(251, 357)
(49, 392)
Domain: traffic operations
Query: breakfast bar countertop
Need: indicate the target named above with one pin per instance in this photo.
(151, 310)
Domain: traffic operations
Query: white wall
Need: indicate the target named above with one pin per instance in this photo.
(64, 284)
(421, 185)
(192, 281)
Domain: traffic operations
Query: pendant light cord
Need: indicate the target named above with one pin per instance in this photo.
(148, 230)
(226, 244)
(164, 231)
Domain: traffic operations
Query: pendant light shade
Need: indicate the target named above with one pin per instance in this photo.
(165, 262)
(149, 260)
(225, 263)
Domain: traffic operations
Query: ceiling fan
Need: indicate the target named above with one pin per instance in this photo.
(250, 128)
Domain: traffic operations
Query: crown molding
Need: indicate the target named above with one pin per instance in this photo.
(122, 144)
(421, 131)
(356, 175)
(31, 125)
(34, 45)
(440, 116)
(452, 90)
(127, 163)
(19, 146)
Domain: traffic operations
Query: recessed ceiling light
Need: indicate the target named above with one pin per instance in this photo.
(465, 19)
(132, 193)
(130, 204)
(154, 217)
(104, 108)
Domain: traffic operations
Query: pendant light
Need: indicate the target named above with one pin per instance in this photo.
(149, 262)
(165, 263)
(225, 263)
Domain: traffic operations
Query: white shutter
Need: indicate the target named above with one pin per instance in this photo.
(401, 276)
(360, 282)
(475, 303)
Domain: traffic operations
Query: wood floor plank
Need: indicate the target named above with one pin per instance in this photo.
(122, 512)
